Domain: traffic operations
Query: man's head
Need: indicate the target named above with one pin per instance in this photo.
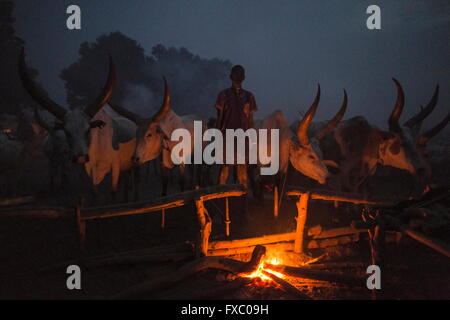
(237, 74)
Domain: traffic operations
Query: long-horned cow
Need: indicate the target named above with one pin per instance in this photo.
(98, 137)
(302, 149)
(363, 146)
(153, 136)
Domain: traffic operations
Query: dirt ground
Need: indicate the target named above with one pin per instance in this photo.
(413, 270)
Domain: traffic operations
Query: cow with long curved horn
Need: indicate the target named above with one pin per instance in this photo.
(296, 145)
(363, 146)
(415, 122)
(153, 136)
(98, 137)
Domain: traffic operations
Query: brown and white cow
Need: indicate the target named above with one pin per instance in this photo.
(363, 146)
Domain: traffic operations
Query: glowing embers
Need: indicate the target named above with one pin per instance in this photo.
(260, 274)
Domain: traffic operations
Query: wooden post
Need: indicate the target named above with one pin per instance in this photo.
(81, 228)
(227, 218)
(275, 202)
(163, 218)
(205, 229)
(377, 239)
(302, 212)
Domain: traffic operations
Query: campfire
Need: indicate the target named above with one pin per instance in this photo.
(262, 273)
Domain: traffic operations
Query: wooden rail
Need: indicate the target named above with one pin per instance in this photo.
(302, 207)
(82, 215)
(197, 197)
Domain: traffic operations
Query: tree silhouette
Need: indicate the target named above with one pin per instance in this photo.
(194, 82)
(85, 78)
(13, 95)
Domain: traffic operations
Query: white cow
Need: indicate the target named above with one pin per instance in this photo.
(153, 137)
(98, 137)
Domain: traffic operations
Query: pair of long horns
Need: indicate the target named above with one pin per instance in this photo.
(335, 120)
(424, 112)
(55, 108)
(157, 117)
(417, 119)
(303, 126)
(425, 137)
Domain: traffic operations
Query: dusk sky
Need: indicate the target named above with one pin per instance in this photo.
(287, 47)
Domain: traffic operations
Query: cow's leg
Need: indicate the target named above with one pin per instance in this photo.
(136, 179)
(115, 175)
(126, 184)
(164, 179)
(52, 179)
(242, 174)
(241, 170)
(181, 176)
(223, 176)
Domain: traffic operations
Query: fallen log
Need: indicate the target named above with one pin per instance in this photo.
(336, 265)
(318, 275)
(230, 265)
(164, 253)
(17, 201)
(434, 244)
(332, 242)
(337, 232)
(289, 288)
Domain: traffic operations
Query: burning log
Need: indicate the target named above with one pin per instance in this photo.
(230, 265)
(318, 275)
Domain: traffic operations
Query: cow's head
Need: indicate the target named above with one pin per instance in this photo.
(148, 134)
(306, 156)
(398, 147)
(76, 123)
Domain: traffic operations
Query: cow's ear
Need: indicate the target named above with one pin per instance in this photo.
(97, 124)
(394, 148)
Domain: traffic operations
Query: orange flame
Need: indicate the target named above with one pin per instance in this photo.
(259, 274)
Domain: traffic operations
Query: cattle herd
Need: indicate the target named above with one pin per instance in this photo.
(104, 139)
